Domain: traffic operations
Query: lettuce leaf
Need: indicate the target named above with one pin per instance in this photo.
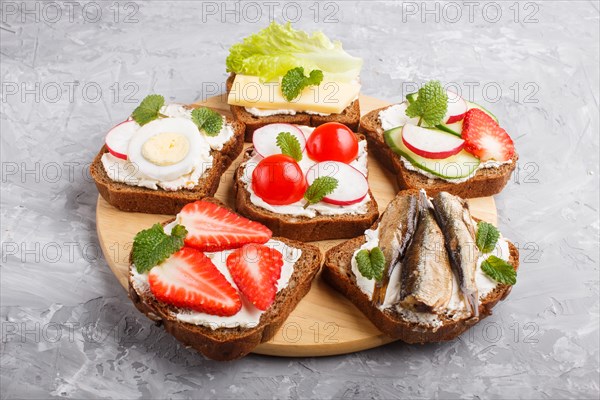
(273, 51)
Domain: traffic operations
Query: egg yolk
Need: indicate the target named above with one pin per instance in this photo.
(166, 148)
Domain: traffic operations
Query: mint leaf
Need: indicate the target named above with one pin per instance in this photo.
(320, 188)
(208, 120)
(371, 263)
(178, 233)
(148, 110)
(153, 246)
(487, 236)
(499, 270)
(430, 105)
(289, 145)
(411, 97)
(294, 81)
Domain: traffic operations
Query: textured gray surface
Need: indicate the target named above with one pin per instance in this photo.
(68, 328)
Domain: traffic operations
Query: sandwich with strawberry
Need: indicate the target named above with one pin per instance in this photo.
(218, 282)
(438, 141)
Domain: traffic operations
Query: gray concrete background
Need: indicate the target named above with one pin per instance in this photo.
(71, 72)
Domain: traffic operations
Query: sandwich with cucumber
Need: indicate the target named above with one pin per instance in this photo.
(427, 270)
(284, 75)
(439, 141)
(165, 156)
(216, 281)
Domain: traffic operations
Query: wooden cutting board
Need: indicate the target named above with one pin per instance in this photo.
(324, 322)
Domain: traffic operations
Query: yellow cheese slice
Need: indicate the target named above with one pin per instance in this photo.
(329, 97)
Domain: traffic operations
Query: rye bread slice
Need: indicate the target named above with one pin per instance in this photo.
(139, 199)
(337, 272)
(306, 229)
(486, 182)
(350, 116)
(231, 343)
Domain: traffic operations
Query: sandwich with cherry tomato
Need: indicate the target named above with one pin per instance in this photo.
(284, 75)
(439, 141)
(306, 183)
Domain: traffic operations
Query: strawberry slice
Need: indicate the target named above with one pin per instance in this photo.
(485, 139)
(214, 228)
(189, 279)
(255, 269)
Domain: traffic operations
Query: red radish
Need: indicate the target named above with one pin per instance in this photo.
(352, 184)
(265, 139)
(457, 108)
(117, 139)
(431, 143)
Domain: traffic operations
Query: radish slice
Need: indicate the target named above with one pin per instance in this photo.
(265, 138)
(457, 108)
(117, 139)
(431, 143)
(352, 184)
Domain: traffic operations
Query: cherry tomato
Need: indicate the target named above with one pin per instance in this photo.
(278, 180)
(332, 142)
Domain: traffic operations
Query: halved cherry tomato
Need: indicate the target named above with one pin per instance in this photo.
(278, 180)
(332, 142)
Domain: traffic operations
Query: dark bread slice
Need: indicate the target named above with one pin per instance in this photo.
(337, 272)
(321, 227)
(139, 199)
(230, 343)
(486, 182)
(349, 117)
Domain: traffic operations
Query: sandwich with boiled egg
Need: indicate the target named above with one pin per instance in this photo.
(284, 75)
(165, 156)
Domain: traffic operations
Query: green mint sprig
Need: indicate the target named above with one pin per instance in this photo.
(211, 122)
(499, 270)
(487, 237)
(294, 81)
(371, 263)
(149, 109)
(153, 246)
(289, 145)
(430, 105)
(320, 188)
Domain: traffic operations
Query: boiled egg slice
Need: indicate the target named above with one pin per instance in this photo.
(166, 149)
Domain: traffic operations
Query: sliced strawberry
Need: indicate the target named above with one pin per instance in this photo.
(189, 279)
(485, 139)
(214, 228)
(255, 269)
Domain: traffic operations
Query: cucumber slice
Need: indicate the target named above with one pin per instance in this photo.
(457, 166)
(454, 128)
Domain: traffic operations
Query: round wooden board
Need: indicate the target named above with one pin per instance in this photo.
(324, 322)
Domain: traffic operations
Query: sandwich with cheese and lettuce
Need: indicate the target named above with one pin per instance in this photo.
(284, 75)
